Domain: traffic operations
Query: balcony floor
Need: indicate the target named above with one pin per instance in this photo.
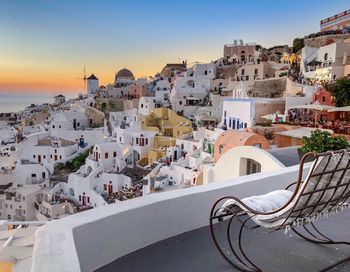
(194, 251)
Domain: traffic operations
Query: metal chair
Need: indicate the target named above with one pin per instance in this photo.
(324, 191)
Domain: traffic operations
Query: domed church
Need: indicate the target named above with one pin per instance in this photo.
(123, 78)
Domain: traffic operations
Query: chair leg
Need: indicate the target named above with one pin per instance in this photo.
(325, 240)
(235, 255)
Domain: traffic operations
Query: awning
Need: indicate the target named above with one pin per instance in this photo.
(346, 108)
(316, 107)
(314, 62)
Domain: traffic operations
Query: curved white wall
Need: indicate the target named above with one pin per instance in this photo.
(231, 165)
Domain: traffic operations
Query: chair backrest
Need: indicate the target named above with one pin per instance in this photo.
(326, 187)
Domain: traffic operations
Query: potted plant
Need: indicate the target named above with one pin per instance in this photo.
(321, 141)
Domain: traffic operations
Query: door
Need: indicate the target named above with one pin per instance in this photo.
(110, 189)
(55, 157)
(84, 200)
(96, 156)
(39, 158)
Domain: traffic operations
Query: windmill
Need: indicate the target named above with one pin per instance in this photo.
(84, 77)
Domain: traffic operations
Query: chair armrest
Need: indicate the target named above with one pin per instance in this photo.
(290, 185)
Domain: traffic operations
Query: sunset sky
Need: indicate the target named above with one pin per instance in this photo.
(44, 44)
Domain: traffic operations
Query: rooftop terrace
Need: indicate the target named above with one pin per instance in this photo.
(168, 232)
(195, 251)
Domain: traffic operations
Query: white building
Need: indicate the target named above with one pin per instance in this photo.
(243, 113)
(140, 140)
(146, 105)
(100, 179)
(59, 99)
(162, 89)
(92, 85)
(325, 63)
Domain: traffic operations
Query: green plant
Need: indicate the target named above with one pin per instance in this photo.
(340, 91)
(322, 141)
(283, 74)
(298, 43)
(78, 161)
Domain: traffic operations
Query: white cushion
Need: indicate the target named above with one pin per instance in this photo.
(263, 203)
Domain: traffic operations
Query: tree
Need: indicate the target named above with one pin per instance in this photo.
(341, 91)
(322, 141)
(298, 43)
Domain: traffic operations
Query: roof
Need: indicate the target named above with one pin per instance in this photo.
(92, 77)
(124, 73)
(60, 95)
(234, 138)
(287, 155)
(301, 132)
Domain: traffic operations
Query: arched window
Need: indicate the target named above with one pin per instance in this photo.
(326, 56)
(106, 155)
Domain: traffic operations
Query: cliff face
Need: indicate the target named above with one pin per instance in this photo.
(268, 88)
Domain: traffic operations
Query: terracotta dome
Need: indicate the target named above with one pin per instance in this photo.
(125, 73)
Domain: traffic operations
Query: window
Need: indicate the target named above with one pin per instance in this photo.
(323, 99)
(205, 72)
(221, 149)
(325, 56)
(44, 156)
(115, 154)
(53, 126)
(105, 187)
(50, 156)
(55, 150)
(242, 72)
(146, 141)
(60, 157)
(141, 105)
(256, 71)
(106, 155)
(137, 140)
(247, 77)
(252, 167)
(34, 156)
(180, 102)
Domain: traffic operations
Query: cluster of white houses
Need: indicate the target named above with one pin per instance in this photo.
(181, 128)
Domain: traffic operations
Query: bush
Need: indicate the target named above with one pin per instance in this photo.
(322, 141)
(340, 91)
(283, 74)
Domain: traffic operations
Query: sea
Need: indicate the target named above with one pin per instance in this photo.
(10, 102)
